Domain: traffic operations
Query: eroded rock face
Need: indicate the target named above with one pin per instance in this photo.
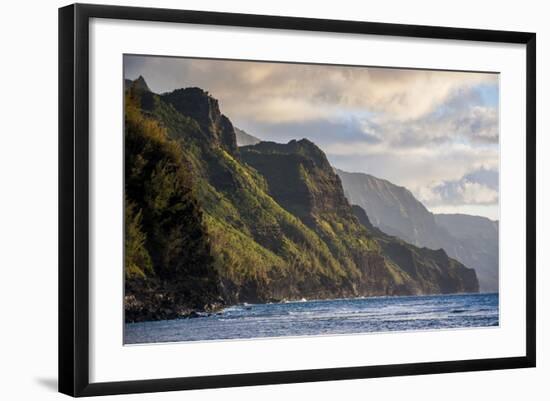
(300, 177)
(204, 109)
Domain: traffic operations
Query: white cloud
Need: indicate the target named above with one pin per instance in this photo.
(283, 90)
(472, 192)
(460, 192)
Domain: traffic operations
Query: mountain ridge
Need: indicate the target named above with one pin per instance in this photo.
(257, 241)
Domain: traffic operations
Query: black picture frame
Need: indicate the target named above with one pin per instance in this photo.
(74, 198)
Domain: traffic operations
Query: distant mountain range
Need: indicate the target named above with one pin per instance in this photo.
(476, 245)
(209, 223)
(245, 139)
(472, 240)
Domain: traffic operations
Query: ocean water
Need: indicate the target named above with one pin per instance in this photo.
(325, 317)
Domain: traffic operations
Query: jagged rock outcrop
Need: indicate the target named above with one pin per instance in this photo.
(197, 104)
(138, 84)
(169, 269)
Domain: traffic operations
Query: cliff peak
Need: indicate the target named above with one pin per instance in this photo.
(300, 177)
(199, 105)
(303, 148)
(138, 84)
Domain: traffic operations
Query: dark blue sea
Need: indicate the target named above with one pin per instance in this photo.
(325, 317)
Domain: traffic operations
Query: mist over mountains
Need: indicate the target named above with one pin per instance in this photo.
(245, 139)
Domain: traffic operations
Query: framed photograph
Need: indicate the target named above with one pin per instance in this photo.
(250, 199)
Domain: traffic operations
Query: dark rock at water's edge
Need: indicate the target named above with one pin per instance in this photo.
(148, 300)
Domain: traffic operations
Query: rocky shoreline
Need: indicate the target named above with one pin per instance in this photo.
(147, 302)
(138, 311)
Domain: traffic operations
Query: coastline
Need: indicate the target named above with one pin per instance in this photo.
(141, 313)
(325, 317)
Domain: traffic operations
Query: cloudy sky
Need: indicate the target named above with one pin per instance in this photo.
(434, 132)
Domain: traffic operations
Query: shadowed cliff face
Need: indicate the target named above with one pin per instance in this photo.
(472, 240)
(277, 223)
(300, 178)
(204, 109)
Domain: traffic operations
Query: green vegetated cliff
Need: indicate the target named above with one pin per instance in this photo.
(168, 261)
(210, 224)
